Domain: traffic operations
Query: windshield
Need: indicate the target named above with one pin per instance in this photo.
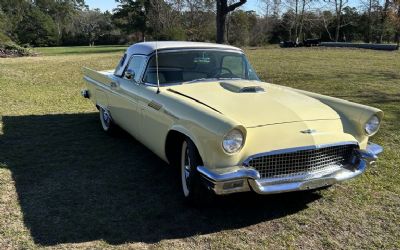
(185, 66)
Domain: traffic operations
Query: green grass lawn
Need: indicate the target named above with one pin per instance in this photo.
(79, 50)
(65, 184)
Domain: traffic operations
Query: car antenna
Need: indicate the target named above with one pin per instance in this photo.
(158, 78)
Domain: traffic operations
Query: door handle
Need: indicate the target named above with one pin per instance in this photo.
(114, 85)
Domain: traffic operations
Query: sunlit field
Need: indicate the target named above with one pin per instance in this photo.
(66, 184)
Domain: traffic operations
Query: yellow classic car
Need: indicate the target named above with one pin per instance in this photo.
(201, 107)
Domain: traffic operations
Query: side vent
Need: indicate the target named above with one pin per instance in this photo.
(154, 105)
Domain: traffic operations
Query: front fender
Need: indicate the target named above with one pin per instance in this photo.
(181, 129)
(353, 115)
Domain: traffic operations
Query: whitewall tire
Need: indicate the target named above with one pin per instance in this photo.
(194, 191)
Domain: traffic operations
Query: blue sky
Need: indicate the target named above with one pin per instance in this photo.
(111, 4)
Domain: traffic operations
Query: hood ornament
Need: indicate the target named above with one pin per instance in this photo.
(309, 131)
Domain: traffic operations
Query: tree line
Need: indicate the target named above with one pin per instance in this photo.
(71, 22)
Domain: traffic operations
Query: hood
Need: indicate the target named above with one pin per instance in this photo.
(254, 104)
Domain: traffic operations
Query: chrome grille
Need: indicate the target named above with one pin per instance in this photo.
(302, 162)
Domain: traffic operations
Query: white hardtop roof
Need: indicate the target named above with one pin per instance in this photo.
(146, 48)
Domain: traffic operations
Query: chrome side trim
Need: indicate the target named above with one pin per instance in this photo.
(194, 99)
(169, 113)
(107, 88)
(291, 150)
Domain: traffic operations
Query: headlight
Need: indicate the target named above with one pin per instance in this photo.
(372, 125)
(233, 141)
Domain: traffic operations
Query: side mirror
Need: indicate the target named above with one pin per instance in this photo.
(129, 74)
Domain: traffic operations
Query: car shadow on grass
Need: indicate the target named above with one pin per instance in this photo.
(77, 184)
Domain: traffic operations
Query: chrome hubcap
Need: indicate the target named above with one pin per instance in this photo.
(106, 118)
(187, 165)
(185, 169)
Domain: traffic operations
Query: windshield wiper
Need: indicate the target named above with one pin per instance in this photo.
(212, 78)
(199, 80)
(230, 78)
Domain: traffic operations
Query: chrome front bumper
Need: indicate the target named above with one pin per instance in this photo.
(245, 179)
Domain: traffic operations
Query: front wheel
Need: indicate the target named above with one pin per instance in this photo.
(193, 189)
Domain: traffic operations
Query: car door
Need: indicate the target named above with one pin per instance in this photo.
(124, 95)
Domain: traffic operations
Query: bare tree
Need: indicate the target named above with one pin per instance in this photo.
(384, 17)
(270, 7)
(398, 22)
(89, 22)
(338, 6)
(223, 8)
(301, 21)
(326, 17)
(395, 15)
(298, 10)
(197, 17)
(367, 5)
(164, 17)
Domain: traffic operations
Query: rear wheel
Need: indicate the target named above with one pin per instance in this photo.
(107, 123)
(194, 191)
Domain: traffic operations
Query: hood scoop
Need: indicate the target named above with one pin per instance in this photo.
(242, 87)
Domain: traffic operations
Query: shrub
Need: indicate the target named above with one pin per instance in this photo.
(10, 49)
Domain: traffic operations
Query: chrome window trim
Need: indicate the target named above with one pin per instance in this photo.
(296, 149)
(121, 65)
(195, 49)
(142, 70)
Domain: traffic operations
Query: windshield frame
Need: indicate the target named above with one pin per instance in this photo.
(150, 56)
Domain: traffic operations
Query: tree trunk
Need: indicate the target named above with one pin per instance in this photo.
(227, 28)
(59, 33)
(368, 40)
(337, 32)
(222, 10)
(296, 33)
(339, 7)
(326, 28)
(302, 21)
(221, 18)
(398, 25)
(383, 19)
(143, 36)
